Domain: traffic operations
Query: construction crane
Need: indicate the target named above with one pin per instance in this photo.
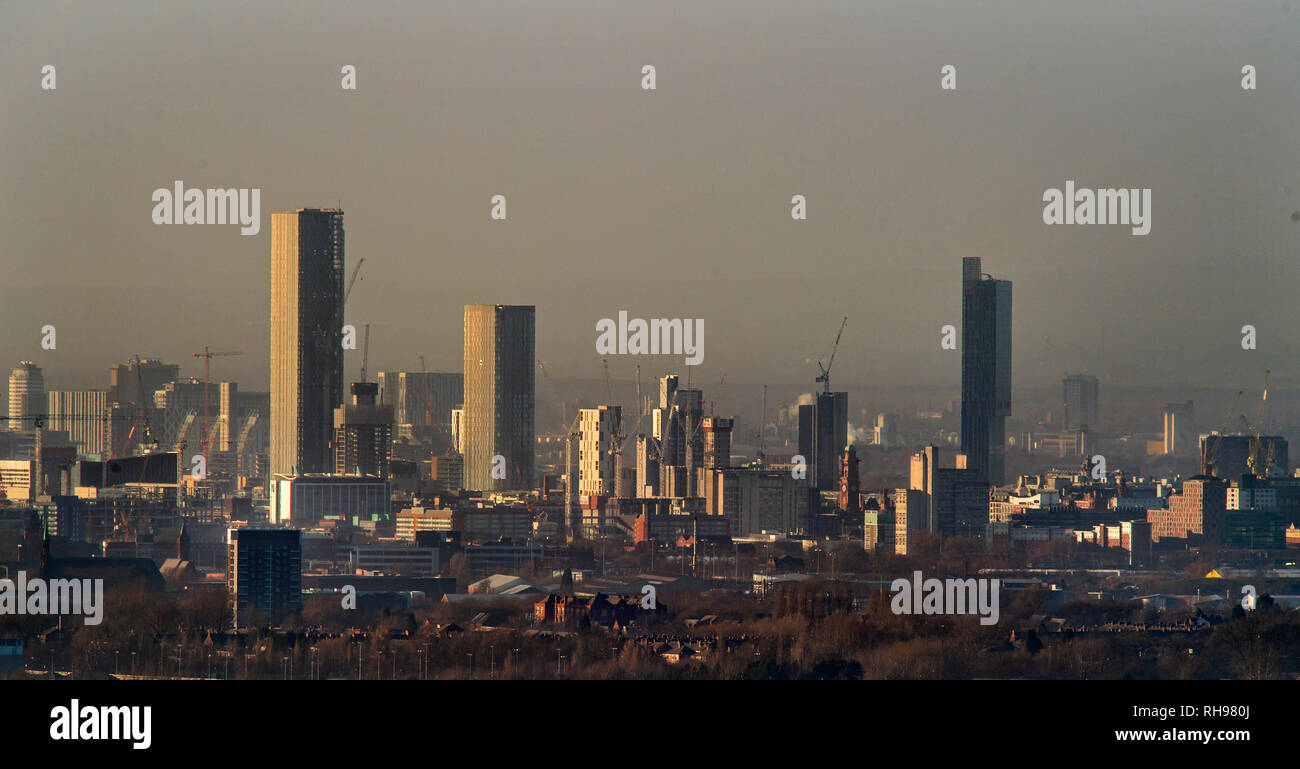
(1255, 460)
(207, 357)
(183, 430)
(241, 442)
(1212, 452)
(569, 474)
(365, 353)
(353, 280)
(825, 376)
(617, 435)
(141, 412)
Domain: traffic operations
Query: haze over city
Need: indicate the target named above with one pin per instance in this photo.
(671, 203)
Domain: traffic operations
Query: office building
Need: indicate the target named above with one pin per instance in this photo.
(306, 337)
(958, 497)
(985, 370)
(413, 520)
(306, 500)
(500, 396)
(409, 560)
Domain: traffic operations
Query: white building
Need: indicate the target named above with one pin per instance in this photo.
(596, 461)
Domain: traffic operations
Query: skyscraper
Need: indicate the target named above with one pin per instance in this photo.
(832, 435)
(500, 396)
(306, 337)
(985, 370)
(823, 433)
(26, 395)
(1080, 398)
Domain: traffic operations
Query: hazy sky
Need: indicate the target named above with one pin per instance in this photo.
(671, 203)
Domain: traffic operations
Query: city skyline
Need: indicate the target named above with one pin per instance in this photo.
(477, 432)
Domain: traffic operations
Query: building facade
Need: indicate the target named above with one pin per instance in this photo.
(1080, 398)
(264, 574)
(26, 395)
(500, 397)
(363, 434)
(985, 370)
(83, 415)
(306, 337)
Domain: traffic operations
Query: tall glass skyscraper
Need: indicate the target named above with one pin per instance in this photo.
(306, 337)
(500, 396)
(985, 370)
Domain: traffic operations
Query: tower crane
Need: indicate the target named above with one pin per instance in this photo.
(825, 376)
(353, 280)
(1256, 460)
(365, 353)
(1212, 452)
(207, 357)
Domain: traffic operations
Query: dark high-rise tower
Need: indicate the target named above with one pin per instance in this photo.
(823, 432)
(306, 337)
(985, 370)
(832, 435)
